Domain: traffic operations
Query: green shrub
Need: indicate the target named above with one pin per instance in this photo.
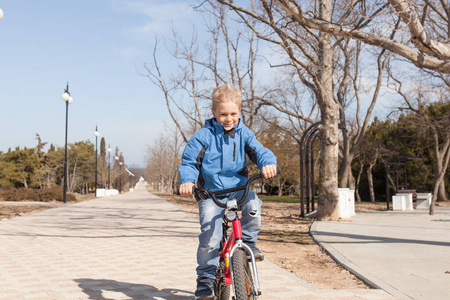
(40, 195)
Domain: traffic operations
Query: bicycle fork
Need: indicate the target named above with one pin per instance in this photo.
(239, 244)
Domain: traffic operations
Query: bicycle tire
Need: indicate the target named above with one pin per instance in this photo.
(222, 290)
(244, 287)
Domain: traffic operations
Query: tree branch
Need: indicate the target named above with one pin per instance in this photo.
(441, 63)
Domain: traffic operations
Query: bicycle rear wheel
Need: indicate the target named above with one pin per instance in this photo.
(222, 291)
(244, 287)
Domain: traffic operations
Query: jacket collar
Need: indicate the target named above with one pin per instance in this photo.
(218, 128)
(230, 132)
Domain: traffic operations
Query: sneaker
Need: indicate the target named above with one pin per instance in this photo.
(258, 255)
(204, 291)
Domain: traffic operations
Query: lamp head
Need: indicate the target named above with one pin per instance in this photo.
(66, 97)
(96, 133)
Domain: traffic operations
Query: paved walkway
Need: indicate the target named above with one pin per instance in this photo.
(131, 246)
(405, 253)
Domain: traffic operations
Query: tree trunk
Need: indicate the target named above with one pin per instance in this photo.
(358, 197)
(351, 180)
(329, 132)
(442, 158)
(345, 173)
(73, 180)
(346, 177)
(370, 179)
(280, 187)
(442, 195)
(444, 161)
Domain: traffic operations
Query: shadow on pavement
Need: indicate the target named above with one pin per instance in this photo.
(104, 289)
(363, 239)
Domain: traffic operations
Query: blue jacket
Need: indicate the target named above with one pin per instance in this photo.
(217, 160)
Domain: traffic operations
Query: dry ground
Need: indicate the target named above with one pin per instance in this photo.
(10, 211)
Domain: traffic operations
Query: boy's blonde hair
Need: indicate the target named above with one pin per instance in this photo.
(226, 93)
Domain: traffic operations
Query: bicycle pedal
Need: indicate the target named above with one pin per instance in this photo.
(249, 258)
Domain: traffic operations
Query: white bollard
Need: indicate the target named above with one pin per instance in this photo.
(423, 200)
(409, 201)
(101, 193)
(398, 202)
(346, 203)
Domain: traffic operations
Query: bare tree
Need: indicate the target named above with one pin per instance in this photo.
(353, 138)
(163, 159)
(228, 56)
(431, 110)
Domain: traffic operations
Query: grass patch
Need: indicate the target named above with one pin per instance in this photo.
(281, 199)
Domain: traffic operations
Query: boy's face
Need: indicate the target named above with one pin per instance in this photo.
(227, 114)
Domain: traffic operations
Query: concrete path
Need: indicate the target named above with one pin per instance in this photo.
(131, 246)
(405, 253)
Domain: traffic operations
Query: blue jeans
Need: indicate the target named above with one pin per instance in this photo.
(211, 231)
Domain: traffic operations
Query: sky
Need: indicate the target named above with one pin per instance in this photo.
(99, 48)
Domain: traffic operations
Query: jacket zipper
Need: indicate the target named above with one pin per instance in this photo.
(234, 152)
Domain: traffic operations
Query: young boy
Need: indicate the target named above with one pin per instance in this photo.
(215, 157)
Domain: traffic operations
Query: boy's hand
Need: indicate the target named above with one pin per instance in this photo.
(269, 171)
(186, 189)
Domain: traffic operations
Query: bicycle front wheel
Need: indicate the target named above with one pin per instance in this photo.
(244, 287)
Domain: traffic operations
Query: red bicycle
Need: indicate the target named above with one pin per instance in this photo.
(237, 264)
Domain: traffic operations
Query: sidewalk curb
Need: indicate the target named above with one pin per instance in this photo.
(369, 279)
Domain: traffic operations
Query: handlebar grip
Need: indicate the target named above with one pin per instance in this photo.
(178, 191)
(278, 171)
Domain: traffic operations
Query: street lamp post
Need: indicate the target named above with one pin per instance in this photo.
(68, 99)
(109, 167)
(96, 138)
(117, 161)
(120, 176)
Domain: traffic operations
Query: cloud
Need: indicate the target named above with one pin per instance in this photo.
(160, 15)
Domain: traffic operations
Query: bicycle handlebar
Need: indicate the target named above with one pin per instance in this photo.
(206, 193)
